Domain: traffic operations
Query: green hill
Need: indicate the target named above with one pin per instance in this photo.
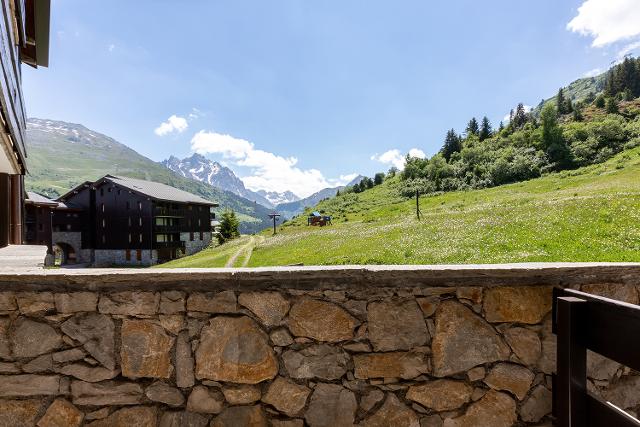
(588, 214)
(63, 155)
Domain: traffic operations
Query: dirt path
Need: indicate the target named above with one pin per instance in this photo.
(245, 249)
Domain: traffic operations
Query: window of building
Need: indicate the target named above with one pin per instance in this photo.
(104, 239)
(109, 189)
(140, 237)
(118, 191)
(139, 206)
(40, 227)
(127, 253)
(75, 215)
(102, 191)
(199, 222)
(140, 221)
(129, 237)
(191, 236)
(104, 223)
(102, 207)
(128, 205)
(129, 222)
(68, 227)
(138, 255)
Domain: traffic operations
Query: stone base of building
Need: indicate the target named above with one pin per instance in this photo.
(116, 257)
(195, 245)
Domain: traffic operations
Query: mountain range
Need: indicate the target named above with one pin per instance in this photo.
(199, 168)
(63, 155)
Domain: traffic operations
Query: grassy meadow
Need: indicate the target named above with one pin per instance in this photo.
(588, 214)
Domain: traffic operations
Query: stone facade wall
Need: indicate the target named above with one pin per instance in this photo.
(292, 347)
(191, 247)
(73, 239)
(110, 257)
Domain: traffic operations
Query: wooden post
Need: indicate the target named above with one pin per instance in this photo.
(418, 204)
(275, 217)
(571, 384)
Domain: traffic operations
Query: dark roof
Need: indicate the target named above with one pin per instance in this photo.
(157, 190)
(39, 199)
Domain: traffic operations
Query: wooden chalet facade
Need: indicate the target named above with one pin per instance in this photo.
(128, 221)
(24, 34)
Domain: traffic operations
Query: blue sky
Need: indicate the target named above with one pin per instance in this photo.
(299, 95)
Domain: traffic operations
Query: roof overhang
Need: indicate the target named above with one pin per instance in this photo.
(35, 47)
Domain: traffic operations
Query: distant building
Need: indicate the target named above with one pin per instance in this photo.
(123, 221)
(24, 35)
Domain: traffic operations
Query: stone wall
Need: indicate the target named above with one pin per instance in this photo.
(111, 257)
(195, 245)
(442, 346)
(73, 239)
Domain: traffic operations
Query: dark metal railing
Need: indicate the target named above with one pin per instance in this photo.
(174, 244)
(160, 211)
(584, 322)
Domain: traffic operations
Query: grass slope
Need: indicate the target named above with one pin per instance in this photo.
(63, 155)
(589, 214)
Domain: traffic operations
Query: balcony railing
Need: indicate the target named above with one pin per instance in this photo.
(160, 211)
(173, 228)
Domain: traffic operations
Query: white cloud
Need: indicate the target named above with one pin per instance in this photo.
(592, 73)
(416, 152)
(395, 158)
(630, 48)
(269, 171)
(173, 124)
(607, 21)
(195, 114)
(111, 47)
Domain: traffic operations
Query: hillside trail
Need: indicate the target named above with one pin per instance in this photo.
(245, 249)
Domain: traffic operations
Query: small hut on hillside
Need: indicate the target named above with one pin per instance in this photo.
(316, 218)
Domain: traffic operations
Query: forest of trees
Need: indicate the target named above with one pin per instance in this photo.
(555, 136)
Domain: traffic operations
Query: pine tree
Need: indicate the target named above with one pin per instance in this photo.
(520, 117)
(560, 102)
(501, 127)
(554, 143)
(472, 127)
(228, 226)
(378, 178)
(452, 144)
(611, 106)
(485, 129)
(600, 101)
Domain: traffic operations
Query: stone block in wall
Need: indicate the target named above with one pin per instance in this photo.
(76, 302)
(441, 395)
(35, 303)
(510, 377)
(242, 394)
(205, 400)
(184, 361)
(20, 413)
(105, 393)
(618, 291)
(396, 325)
(30, 338)
(464, 340)
(317, 361)
(235, 349)
(331, 405)
(164, 393)
(522, 304)
(525, 343)
(5, 345)
(182, 419)
(172, 302)
(96, 333)
(8, 301)
(88, 373)
(269, 307)
(393, 413)
(130, 303)
(61, 413)
(406, 365)
(287, 396)
(210, 302)
(139, 416)
(496, 409)
(29, 385)
(145, 350)
(241, 416)
(321, 321)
